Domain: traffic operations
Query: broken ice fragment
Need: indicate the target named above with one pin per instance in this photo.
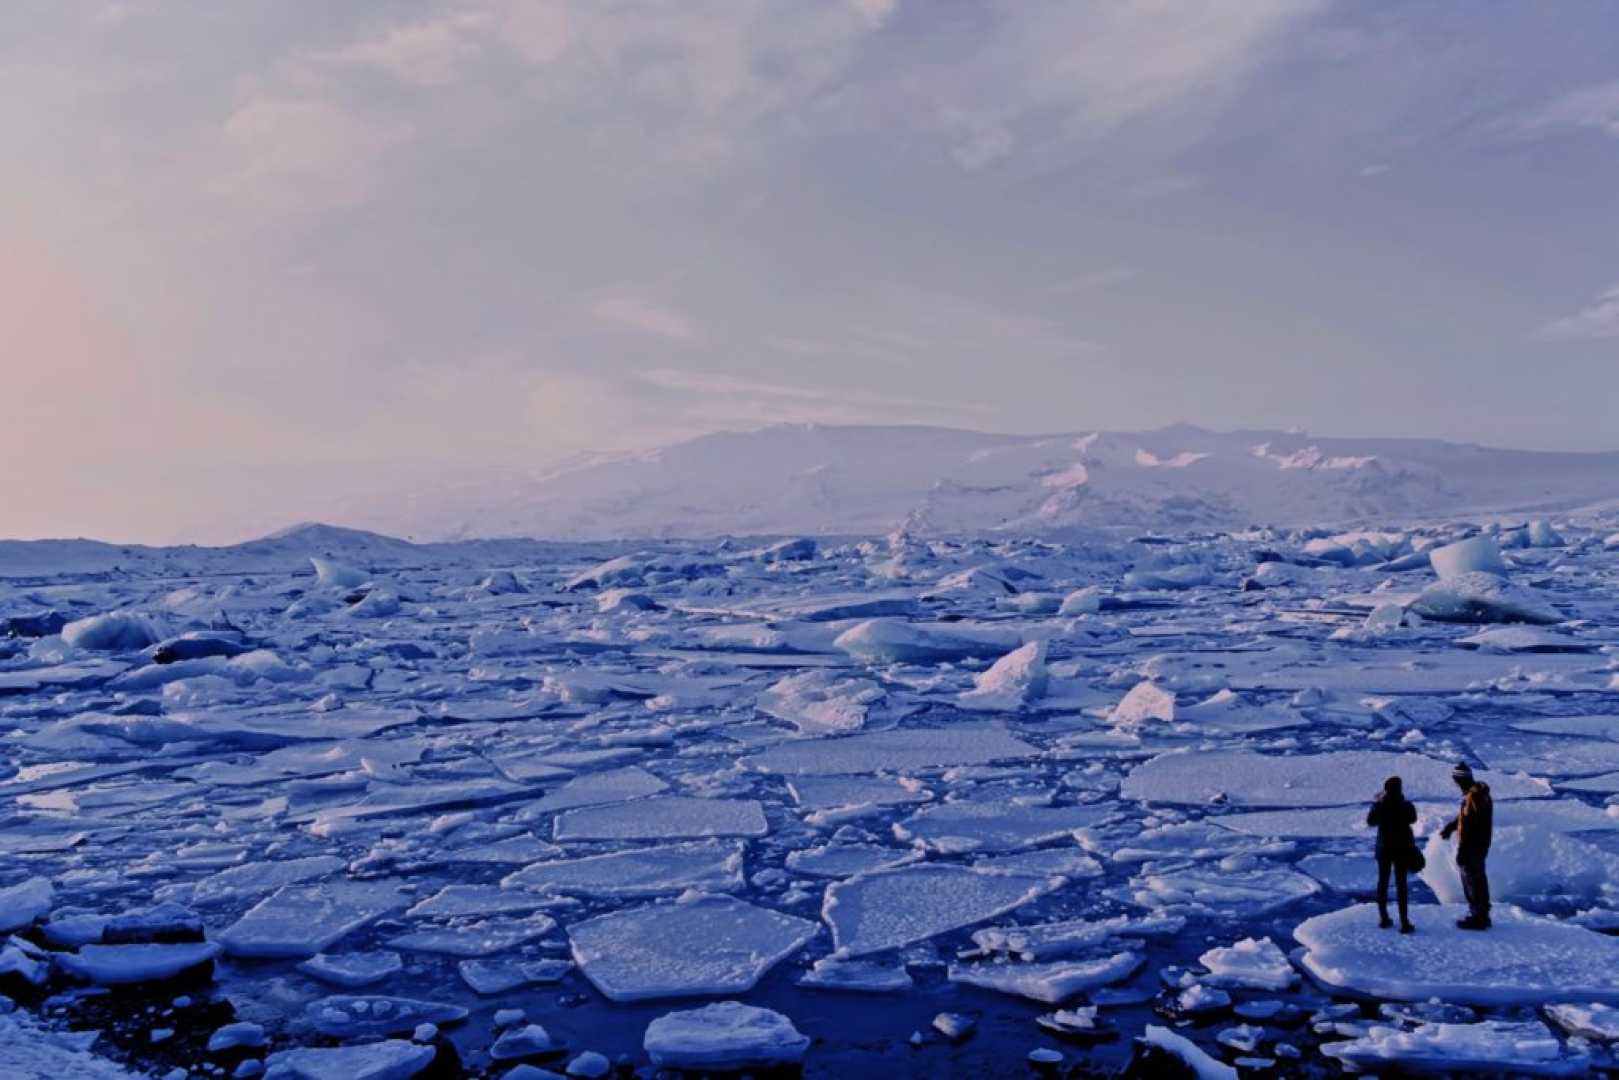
(706, 945)
(892, 908)
(726, 1035)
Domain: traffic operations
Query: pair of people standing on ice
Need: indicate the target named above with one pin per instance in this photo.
(1392, 815)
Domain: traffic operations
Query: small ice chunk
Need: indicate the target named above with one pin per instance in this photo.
(240, 1035)
(1523, 1048)
(501, 976)
(892, 641)
(122, 965)
(1051, 982)
(115, 631)
(24, 904)
(1200, 1063)
(726, 1035)
(331, 574)
(352, 970)
(590, 1065)
(348, 1017)
(526, 1041)
(821, 702)
(1143, 703)
(1477, 554)
(1590, 1020)
(706, 945)
(1185, 576)
(1086, 601)
(1251, 964)
(1011, 683)
(858, 976)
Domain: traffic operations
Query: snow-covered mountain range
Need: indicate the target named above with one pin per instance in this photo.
(820, 479)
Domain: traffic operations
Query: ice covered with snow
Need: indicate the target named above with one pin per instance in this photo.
(1144, 702)
(1529, 865)
(447, 801)
(821, 702)
(1523, 1048)
(726, 1035)
(1521, 959)
(1012, 682)
(1252, 963)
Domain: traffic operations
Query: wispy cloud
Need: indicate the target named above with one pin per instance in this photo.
(1597, 321)
(634, 313)
(1593, 108)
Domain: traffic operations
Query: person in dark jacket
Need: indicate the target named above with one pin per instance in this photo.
(1473, 828)
(1392, 815)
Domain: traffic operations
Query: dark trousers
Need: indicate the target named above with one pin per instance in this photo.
(1386, 864)
(1475, 885)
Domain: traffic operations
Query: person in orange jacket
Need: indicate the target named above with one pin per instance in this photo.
(1473, 828)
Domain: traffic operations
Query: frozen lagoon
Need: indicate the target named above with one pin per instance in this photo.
(495, 793)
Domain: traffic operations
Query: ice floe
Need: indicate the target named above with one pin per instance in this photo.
(726, 1035)
(695, 946)
(892, 908)
(1523, 959)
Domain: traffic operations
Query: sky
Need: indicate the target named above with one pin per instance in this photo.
(261, 259)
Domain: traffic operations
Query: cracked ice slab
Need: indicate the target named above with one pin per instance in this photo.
(666, 817)
(296, 922)
(711, 865)
(894, 751)
(892, 908)
(1523, 959)
(1245, 778)
(989, 827)
(706, 945)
